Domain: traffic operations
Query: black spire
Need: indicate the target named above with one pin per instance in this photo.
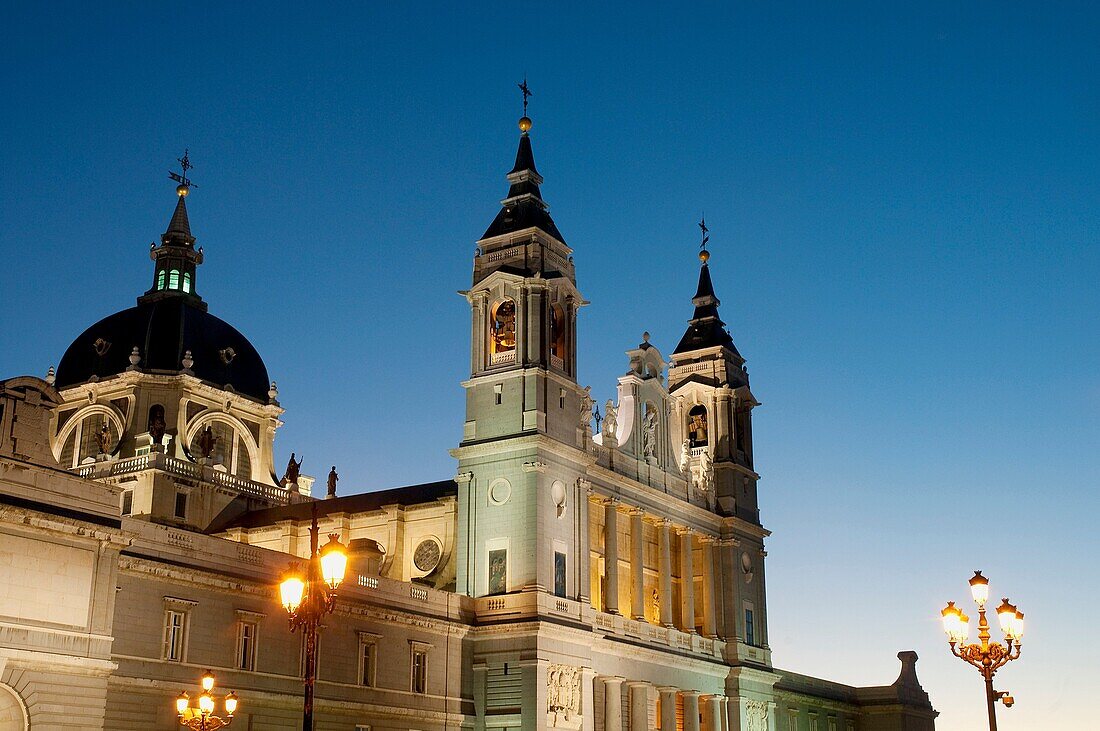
(705, 328)
(175, 260)
(524, 206)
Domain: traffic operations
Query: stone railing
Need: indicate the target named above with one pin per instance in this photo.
(507, 356)
(183, 468)
(505, 607)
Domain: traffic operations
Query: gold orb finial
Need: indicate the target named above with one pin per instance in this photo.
(182, 190)
(524, 124)
(704, 256)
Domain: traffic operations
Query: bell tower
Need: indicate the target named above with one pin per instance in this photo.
(521, 459)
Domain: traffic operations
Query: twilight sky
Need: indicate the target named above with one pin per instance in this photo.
(903, 205)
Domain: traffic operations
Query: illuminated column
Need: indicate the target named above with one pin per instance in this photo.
(665, 595)
(613, 704)
(709, 606)
(712, 713)
(691, 710)
(732, 582)
(611, 555)
(687, 581)
(637, 555)
(588, 711)
(668, 708)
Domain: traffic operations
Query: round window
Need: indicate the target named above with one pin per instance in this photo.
(426, 555)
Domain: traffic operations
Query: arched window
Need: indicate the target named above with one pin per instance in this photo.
(94, 435)
(502, 326)
(186, 281)
(697, 427)
(174, 279)
(557, 332)
(160, 279)
(229, 449)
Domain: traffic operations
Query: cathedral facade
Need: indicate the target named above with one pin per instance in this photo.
(566, 577)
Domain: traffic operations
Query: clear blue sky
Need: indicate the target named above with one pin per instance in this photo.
(903, 203)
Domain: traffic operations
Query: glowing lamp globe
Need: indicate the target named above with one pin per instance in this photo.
(951, 620)
(334, 562)
(1018, 626)
(291, 592)
(206, 703)
(1006, 615)
(208, 681)
(231, 704)
(979, 588)
(182, 701)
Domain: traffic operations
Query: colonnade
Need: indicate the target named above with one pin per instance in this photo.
(637, 706)
(690, 541)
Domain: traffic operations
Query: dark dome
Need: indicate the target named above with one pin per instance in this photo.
(163, 330)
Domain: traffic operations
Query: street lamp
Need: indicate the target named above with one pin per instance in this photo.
(308, 596)
(202, 718)
(988, 657)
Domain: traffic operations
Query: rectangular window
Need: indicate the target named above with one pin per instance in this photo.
(792, 720)
(419, 671)
(127, 502)
(246, 645)
(175, 625)
(561, 398)
(181, 505)
(498, 571)
(368, 650)
(559, 574)
(498, 390)
(750, 628)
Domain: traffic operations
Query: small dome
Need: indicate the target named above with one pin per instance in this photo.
(163, 331)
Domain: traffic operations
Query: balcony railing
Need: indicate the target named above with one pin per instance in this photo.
(504, 607)
(183, 468)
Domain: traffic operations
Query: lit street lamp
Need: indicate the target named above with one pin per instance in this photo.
(202, 718)
(988, 657)
(309, 596)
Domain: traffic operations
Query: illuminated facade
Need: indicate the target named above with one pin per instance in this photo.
(565, 578)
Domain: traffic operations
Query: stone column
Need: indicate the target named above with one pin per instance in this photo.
(583, 559)
(637, 556)
(712, 713)
(691, 710)
(687, 581)
(668, 708)
(611, 556)
(709, 606)
(732, 581)
(665, 592)
(639, 705)
(613, 704)
(588, 711)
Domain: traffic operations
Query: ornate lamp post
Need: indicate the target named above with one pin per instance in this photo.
(308, 596)
(988, 657)
(202, 718)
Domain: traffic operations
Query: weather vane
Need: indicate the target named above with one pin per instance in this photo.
(705, 231)
(526, 93)
(185, 165)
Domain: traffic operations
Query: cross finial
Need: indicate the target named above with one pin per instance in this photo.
(705, 232)
(181, 177)
(526, 93)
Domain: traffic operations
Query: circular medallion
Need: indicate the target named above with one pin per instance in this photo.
(426, 555)
(746, 566)
(499, 491)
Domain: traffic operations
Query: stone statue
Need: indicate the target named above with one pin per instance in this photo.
(610, 421)
(332, 478)
(649, 432)
(685, 455)
(207, 441)
(706, 470)
(293, 469)
(103, 439)
(157, 425)
(586, 407)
